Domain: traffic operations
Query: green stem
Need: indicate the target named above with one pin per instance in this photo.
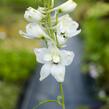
(44, 102)
(50, 26)
(62, 95)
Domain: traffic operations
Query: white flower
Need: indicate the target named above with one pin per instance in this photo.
(93, 71)
(66, 28)
(102, 94)
(54, 62)
(34, 30)
(66, 7)
(33, 15)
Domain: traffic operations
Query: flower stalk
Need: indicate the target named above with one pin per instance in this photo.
(62, 95)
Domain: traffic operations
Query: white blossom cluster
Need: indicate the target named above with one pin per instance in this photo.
(55, 32)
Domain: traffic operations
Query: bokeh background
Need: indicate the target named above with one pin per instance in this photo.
(17, 60)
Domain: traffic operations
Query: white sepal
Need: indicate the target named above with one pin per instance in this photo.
(40, 54)
(45, 71)
(66, 7)
(66, 57)
(33, 15)
(58, 72)
(66, 28)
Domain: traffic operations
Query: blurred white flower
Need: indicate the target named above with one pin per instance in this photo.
(66, 28)
(102, 94)
(54, 62)
(34, 30)
(93, 71)
(66, 7)
(33, 15)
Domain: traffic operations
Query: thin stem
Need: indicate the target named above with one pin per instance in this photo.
(50, 23)
(62, 95)
(52, 3)
(55, 34)
(44, 102)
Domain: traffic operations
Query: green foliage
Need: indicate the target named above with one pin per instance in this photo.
(98, 10)
(96, 37)
(8, 95)
(6, 16)
(19, 5)
(105, 107)
(16, 66)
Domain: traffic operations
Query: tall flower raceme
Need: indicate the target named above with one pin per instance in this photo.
(55, 30)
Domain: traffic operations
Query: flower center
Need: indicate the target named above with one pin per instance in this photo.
(56, 59)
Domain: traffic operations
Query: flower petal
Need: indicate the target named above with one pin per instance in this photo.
(66, 7)
(58, 72)
(66, 57)
(45, 71)
(40, 54)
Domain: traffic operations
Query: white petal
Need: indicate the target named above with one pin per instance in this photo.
(45, 71)
(66, 57)
(66, 7)
(58, 72)
(40, 54)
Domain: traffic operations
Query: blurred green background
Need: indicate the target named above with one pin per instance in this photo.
(17, 60)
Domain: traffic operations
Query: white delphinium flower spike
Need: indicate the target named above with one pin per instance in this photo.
(34, 30)
(66, 28)
(54, 61)
(66, 7)
(33, 15)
